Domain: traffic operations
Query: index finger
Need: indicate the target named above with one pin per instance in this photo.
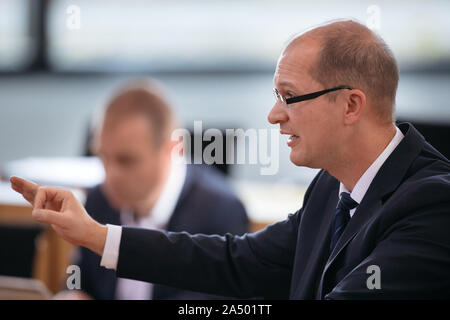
(27, 188)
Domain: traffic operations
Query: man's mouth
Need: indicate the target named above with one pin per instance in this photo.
(292, 138)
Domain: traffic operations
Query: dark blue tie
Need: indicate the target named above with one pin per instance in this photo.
(341, 217)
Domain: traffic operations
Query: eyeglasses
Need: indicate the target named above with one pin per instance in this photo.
(304, 97)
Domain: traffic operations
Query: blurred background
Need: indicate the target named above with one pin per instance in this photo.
(215, 59)
(61, 60)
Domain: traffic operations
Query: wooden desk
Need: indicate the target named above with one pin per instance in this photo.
(267, 203)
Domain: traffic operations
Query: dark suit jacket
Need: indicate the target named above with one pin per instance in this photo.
(402, 225)
(206, 205)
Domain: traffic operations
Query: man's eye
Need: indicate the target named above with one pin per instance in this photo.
(126, 161)
(289, 95)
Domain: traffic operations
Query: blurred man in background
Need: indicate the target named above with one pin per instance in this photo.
(145, 187)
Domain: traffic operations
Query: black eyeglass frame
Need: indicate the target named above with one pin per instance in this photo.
(308, 96)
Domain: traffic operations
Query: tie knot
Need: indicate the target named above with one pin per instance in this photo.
(346, 202)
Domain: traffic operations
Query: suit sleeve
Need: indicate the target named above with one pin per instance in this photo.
(413, 260)
(248, 266)
(229, 216)
(252, 265)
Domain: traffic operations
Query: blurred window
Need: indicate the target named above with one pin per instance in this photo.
(215, 35)
(16, 45)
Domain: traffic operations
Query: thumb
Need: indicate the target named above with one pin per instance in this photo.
(50, 216)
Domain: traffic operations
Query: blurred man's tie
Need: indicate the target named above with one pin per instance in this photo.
(341, 217)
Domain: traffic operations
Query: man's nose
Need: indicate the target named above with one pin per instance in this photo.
(112, 172)
(277, 114)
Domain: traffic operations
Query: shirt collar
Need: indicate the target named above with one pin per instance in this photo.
(366, 179)
(165, 205)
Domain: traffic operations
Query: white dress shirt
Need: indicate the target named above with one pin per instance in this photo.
(366, 179)
(157, 219)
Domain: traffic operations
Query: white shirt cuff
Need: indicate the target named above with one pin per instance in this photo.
(110, 255)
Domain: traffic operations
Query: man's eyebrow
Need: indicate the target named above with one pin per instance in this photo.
(283, 83)
(287, 85)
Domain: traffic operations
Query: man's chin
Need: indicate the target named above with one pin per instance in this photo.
(296, 160)
(116, 202)
(299, 161)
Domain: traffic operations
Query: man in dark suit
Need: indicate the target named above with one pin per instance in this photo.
(374, 221)
(147, 186)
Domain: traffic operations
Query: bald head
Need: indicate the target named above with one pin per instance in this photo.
(143, 101)
(349, 53)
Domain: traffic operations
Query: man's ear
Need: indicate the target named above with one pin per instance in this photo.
(171, 146)
(355, 104)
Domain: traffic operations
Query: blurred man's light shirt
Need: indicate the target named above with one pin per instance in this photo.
(157, 219)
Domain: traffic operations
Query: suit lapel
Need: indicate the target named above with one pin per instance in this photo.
(383, 185)
(362, 215)
(188, 186)
(309, 279)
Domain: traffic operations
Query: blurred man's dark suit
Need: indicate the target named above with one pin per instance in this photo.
(401, 225)
(206, 205)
